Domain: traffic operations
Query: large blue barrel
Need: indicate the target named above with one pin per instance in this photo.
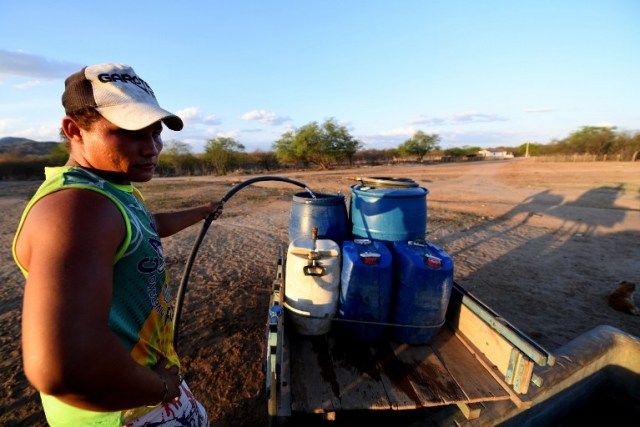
(389, 214)
(366, 289)
(423, 283)
(327, 211)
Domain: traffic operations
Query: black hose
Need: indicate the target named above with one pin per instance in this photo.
(196, 245)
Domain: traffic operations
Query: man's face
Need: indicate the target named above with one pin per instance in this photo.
(125, 155)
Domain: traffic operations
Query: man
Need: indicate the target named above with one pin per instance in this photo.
(97, 331)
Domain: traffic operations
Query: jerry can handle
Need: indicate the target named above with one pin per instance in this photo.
(313, 269)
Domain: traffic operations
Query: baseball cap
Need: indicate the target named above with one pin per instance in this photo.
(118, 94)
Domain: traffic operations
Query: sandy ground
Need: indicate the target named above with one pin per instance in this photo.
(543, 244)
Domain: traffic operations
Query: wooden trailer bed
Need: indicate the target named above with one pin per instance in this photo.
(476, 357)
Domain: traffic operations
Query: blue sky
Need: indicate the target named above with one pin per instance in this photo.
(477, 73)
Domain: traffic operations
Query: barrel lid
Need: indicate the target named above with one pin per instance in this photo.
(387, 182)
(377, 192)
(319, 198)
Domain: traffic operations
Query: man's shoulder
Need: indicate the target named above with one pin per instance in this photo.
(76, 204)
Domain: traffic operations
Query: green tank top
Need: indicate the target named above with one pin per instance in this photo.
(142, 305)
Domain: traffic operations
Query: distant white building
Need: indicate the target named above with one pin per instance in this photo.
(495, 154)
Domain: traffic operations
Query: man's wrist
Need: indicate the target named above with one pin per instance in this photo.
(165, 393)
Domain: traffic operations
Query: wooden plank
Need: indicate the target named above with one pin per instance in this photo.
(330, 374)
(513, 335)
(495, 348)
(400, 391)
(313, 386)
(467, 371)
(523, 374)
(357, 375)
(429, 377)
(471, 411)
(519, 401)
(515, 366)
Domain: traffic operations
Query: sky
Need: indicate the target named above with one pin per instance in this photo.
(477, 73)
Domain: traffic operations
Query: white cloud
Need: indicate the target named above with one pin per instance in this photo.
(457, 118)
(230, 134)
(423, 119)
(193, 116)
(408, 132)
(6, 124)
(455, 138)
(28, 84)
(40, 133)
(387, 138)
(605, 124)
(477, 117)
(486, 139)
(27, 65)
(266, 117)
(538, 110)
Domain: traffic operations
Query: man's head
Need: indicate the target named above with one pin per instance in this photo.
(118, 94)
(113, 123)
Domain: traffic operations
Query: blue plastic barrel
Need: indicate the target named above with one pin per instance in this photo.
(423, 282)
(388, 214)
(366, 289)
(327, 211)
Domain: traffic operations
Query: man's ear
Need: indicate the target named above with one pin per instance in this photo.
(71, 129)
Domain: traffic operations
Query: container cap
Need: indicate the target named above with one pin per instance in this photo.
(433, 262)
(362, 241)
(370, 258)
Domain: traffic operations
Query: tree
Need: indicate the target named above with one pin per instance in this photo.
(344, 145)
(59, 154)
(458, 152)
(628, 145)
(529, 148)
(285, 147)
(266, 160)
(173, 147)
(317, 144)
(223, 153)
(176, 159)
(419, 145)
(375, 156)
(590, 139)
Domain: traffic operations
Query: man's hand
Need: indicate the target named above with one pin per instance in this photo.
(171, 377)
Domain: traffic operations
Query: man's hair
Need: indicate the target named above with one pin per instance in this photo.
(85, 118)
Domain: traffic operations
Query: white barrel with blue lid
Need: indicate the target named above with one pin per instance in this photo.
(312, 284)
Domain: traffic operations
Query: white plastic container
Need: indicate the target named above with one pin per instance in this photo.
(312, 277)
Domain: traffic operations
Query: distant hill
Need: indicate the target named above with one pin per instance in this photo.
(25, 146)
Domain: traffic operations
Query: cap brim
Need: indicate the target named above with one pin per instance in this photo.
(134, 116)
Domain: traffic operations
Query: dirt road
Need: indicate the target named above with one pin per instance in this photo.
(543, 244)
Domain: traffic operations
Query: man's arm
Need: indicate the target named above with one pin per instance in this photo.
(169, 223)
(67, 244)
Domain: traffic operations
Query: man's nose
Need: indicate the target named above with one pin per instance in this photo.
(151, 147)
